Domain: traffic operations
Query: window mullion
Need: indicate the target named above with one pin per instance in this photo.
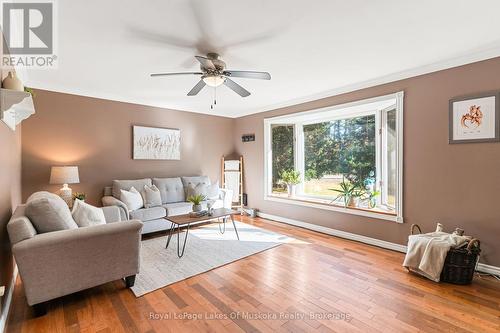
(299, 159)
(378, 154)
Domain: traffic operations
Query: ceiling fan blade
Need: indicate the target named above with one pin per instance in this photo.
(248, 74)
(205, 62)
(236, 87)
(197, 88)
(169, 74)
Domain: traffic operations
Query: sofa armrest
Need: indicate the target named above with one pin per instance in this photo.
(227, 197)
(112, 201)
(59, 263)
(112, 214)
(19, 229)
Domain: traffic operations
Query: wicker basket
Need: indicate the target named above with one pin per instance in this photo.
(460, 264)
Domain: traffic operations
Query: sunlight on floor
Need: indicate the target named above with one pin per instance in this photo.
(247, 233)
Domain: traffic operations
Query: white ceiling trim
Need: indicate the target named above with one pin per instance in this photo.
(471, 57)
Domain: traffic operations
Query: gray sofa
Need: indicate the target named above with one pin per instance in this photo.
(57, 263)
(173, 197)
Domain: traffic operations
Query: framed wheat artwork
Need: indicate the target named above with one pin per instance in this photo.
(155, 143)
(475, 118)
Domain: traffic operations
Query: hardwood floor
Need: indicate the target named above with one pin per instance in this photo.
(321, 283)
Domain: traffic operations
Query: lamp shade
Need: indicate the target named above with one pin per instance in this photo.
(64, 175)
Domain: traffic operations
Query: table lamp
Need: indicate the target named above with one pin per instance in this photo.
(64, 175)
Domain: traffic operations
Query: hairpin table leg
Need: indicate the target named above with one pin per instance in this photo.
(180, 254)
(172, 227)
(223, 230)
(234, 225)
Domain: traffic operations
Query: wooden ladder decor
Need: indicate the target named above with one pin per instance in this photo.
(224, 171)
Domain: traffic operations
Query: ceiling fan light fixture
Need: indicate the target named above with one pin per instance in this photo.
(214, 80)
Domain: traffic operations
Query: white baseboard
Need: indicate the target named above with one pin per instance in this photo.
(8, 300)
(363, 239)
(483, 268)
(338, 233)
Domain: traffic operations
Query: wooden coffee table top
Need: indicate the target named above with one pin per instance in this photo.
(186, 219)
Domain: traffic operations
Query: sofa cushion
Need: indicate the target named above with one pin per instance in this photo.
(48, 212)
(152, 196)
(171, 189)
(127, 184)
(213, 191)
(86, 215)
(200, 189)
(132, 199)
(178, 208)
(147, 214)
(216, 204)
(195, 181)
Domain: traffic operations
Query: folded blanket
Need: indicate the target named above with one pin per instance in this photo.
(426, 252)
(232, 182)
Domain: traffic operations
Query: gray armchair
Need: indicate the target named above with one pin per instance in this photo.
(54, 264)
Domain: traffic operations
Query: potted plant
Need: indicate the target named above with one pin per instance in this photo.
(79, 195)
(371, 197)
(349, 193)
(196, 201)
(291, 178)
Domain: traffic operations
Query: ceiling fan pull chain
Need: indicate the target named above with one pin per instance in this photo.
(211, 106)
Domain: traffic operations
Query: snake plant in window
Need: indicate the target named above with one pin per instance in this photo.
(349, 192)
(196, 201)
(291, 178)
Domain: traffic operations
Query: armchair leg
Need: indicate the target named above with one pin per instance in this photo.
(40, 309)
(130, 281)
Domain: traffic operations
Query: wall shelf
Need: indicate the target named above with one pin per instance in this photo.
(15, 106)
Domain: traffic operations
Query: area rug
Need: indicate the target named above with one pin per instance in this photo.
(206, 249)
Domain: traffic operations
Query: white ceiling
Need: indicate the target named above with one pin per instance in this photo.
(312, 49)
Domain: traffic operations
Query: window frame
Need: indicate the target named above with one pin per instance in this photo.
(348, 110)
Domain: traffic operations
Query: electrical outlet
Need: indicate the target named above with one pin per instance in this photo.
(2, 291)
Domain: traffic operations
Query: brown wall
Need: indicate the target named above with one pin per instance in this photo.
(10, 195)
(10, 189)
(457, 185)
(96, 135)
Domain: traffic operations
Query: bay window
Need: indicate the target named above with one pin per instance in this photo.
(358, 145)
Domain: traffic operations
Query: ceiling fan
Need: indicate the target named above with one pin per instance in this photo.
(213, 73)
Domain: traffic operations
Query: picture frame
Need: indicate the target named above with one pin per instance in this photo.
(475, 118)
(156, 143)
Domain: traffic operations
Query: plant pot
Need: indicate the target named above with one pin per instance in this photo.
(12, 82)
(291, 190)
(352, 202)
(197, 208)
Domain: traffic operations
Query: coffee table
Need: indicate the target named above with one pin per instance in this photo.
(186, 220)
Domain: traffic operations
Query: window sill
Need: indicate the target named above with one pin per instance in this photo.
(381, 215)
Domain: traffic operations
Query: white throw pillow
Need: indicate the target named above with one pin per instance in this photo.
(86, 215)
(151, 196)
(132, 199)
(213, 191)
(200, 189)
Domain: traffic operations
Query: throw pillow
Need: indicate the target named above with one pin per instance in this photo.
(48, 212)
(86, 215)
(201, 189)
(213, 191)
(151, 196)
(132, 199)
